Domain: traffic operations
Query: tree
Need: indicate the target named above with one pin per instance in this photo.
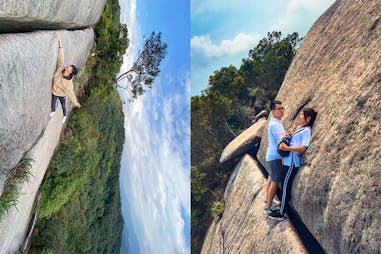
(146, 67)
(267, 64)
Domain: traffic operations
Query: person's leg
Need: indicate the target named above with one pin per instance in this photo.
(276, 173)
(53, 104)
(63, 104)
(268, 183)
(287, 187)
(271, 194)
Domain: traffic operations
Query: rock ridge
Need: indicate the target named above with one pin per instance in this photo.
(336, 71)
(28, 61)
(22, 16)
(243, 228)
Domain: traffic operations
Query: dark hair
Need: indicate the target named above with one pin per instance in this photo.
(273, 103)
(73, 72)
(309, 112)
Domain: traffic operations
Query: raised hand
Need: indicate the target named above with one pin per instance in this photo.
(58, 36)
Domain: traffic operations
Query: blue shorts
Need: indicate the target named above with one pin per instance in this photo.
(277, 173)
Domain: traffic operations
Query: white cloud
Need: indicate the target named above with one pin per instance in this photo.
(296, 9)
(241, 42)
(155, 184)
(202, 6)
(154, 170)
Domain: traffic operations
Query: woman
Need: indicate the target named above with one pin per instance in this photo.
(62, 83)
(299, 144)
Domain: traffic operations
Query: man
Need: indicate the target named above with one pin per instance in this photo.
(273, 159)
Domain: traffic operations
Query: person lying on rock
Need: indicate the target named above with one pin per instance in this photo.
(62, 82)
(298, 145)
(273, 159)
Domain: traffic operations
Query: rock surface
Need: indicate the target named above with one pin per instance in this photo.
(14, 226)
(243, 228)
(21, 15)
(337, 71)
(27, 63)
(243, 142)
(262, 114)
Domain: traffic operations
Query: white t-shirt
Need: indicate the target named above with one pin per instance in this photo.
(302, 138)
(275, 133)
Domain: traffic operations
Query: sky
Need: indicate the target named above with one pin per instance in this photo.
(202, 36)
(223, 34)
(155, 166)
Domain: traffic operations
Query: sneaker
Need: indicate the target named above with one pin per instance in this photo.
(270, 210)
(64, 119)
(276, 215)
(52, 113)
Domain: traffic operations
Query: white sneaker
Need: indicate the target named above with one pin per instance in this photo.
(52, 113)
(64, 119)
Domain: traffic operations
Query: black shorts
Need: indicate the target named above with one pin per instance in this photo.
(276, 170)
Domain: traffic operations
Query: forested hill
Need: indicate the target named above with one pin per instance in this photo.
(80, 209)
(226, 108)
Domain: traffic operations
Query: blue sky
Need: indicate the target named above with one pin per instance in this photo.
(155, 177)
(222, 32)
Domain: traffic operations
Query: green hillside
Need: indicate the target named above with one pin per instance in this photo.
(80, 210)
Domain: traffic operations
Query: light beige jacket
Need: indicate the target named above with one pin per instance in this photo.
(61, 85)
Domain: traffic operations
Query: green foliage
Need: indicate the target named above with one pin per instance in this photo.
(217, 209)
(111, 43)
(80, 210)
(14, 178)
(145, 68)
(267, 64)
(221, 112)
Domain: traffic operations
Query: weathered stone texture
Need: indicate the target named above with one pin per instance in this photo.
(22, 15)
(337, 71)
(27, 63)
(14, 226)
(243, 142)
(243, 228)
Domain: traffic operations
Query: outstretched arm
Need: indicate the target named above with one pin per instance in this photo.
(60, 59)
(71, 94)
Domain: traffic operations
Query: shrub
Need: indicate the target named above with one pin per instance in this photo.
(16, 176)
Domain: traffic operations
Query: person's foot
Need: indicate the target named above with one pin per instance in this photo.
(276, 215)
(270, 210)
(64, 119)
(52, 113)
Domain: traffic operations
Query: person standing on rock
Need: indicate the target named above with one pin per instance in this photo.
(274, 160)
(62, 82)
(299, 143)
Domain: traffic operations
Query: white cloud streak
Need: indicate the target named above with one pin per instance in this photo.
(296, 10)
(155, 178)
(240, 43)
(155, 173)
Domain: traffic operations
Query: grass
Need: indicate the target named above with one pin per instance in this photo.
(217, 209)
(16, 176)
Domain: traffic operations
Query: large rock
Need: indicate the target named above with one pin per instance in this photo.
(244, 142)
(337, 71)
(27, 64)
(243, 228)
(21, 15)
(14, 226)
